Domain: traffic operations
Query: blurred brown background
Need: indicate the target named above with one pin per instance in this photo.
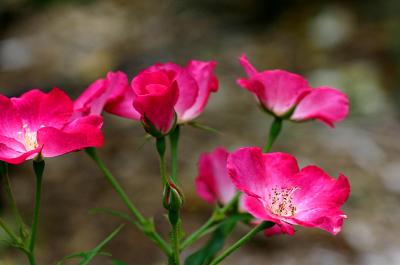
(351, 45)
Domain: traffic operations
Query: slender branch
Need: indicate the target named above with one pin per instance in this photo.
(146, 226)
(241, 242)
(275, 129)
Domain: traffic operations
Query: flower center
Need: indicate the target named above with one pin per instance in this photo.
(29, 138)
(281, 201)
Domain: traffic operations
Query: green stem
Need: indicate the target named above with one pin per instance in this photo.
(215, 218)
(170, 204)
(161, 147)
(203, 230)
(30, 257)
(10, 194)
(174, 139)
(38, 167)
(241, 242)
(145, 225)
(275, 129)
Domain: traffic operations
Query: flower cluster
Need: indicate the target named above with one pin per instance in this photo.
(267, 186)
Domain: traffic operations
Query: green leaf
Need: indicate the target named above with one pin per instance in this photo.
(97, 249)
(88, 256)
(217, 240)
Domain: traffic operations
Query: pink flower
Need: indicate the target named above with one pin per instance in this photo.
(213, 183)
(195, 82)
(277, 191)
(42, 123)
(155, 95)
(112, 94)
(289, 95)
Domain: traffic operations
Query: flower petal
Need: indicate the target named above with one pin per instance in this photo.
(325, 104)
(13, 156)
(246, 168)
(247, 66)
(318, 199)
(81, 133)
(279, 229)
(93, 99)
(121, 96)
(38, 109)
(155, 98)
(254, 172)
(277, 90)
(10, 121)
(206, 81)
(213, 182)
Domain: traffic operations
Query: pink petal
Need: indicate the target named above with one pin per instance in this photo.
(316, 188)
(277, 90)
(10, 121)
(246, 168)
(79, 134)
(38, 109)
(13, 143)
(207, 82)
(121, 96)
(247, 66)
(255, 207)
(280, 90)
(187, 84)
(93, 99)
(254, 172)
(328, 219)
(318, 199)
(155, 98)
(325, 104)
(279, 229)
(12, 156)
(213, 182)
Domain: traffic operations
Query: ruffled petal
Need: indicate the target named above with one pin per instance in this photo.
(325, 104)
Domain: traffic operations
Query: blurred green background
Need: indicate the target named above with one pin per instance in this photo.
(351, 45)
